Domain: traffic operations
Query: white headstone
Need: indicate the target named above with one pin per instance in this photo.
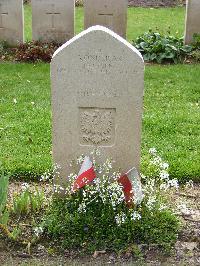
(97, 93)
(192, 20)
(111, 14)
(53, 20)
(11, 21)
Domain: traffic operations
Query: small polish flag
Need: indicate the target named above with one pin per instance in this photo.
(132, 187)
(85, 175)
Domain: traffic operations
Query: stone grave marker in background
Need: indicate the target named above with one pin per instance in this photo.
(97, 93)
(111, 14)
(53, 20)
(11, 21)
(192, 20)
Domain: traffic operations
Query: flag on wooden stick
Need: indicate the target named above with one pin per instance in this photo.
(132, 187)
(85, 175)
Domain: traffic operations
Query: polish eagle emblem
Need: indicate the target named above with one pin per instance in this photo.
(96, 126)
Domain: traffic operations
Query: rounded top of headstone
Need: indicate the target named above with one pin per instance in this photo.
(102, 30)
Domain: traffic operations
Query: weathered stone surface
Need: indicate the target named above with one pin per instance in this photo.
(111, 14)
(97, 94)
(192, 20)
(53, 20)
(11, 21)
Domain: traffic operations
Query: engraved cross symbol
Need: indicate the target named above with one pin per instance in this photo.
(1, 17)
(105, 14)
(53, 13)
(107, 19)
(109, 15)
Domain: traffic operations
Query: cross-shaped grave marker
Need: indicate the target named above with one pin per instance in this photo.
(53, 13)
(109, 13)
(52, 20)
(1, 17)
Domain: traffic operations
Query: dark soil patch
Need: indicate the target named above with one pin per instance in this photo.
(156, 3)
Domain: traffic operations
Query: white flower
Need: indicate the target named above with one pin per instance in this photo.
(135, 216)
(82, 208)
(45, 177)
(15, 101)
(80, 159)
(152, 151)
(143, 177)
(95, 152)
(72, 177)
(25, 186)
(120, 218)
(156, 161)
(174, 183)
(162, 207)
(164, 186)
(164, 175)
(189, 184)
(115, 176)
(164, 165)
(150, 185)
(56, 170)
(38, 231)
(57, 188)
(151, 202)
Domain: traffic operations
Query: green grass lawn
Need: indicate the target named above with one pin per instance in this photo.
(171, 120)
(139, 21)
(28, 22)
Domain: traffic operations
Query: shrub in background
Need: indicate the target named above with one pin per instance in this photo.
(35, 51)
(6, 52)
(160, 48)
(195, 54)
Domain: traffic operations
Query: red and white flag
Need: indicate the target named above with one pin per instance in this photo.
(132, 187)
(85, 175)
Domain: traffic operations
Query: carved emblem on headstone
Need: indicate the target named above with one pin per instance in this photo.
(96, 126)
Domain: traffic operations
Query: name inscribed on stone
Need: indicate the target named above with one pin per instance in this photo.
(99, 63)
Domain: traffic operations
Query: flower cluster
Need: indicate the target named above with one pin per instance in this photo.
(104, 188)
(162, 167)
(156, 186)
(107, 191)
